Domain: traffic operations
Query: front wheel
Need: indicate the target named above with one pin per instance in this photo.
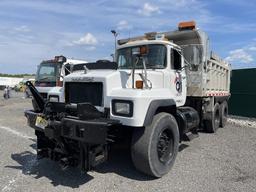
(154, 149)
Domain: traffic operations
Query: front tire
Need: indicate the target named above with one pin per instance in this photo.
(154, 149)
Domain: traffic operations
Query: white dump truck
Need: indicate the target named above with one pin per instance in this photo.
(163, 88)
(50, 74)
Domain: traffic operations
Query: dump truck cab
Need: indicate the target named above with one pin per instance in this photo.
(135, 87)
(157, 75)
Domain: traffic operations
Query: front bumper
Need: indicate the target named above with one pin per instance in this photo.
(87, 131)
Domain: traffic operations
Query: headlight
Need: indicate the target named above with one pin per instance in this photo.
(54, 98)
(122, 108)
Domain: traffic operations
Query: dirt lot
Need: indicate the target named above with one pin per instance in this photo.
(224, 161)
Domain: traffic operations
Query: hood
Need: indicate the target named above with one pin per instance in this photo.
(90, 73)
(117, 78)
(111, 81)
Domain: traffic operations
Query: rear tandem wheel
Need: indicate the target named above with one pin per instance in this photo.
(213, 123)
(223, 113)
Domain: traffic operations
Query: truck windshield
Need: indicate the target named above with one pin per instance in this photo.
(155, 59)
(48, 72)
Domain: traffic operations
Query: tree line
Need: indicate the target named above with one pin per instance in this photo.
(15, 75)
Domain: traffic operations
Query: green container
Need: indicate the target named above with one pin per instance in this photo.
(243, 93)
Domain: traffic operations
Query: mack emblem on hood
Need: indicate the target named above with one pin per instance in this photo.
(83, 79)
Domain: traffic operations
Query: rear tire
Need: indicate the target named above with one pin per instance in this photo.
(223, 113)
(212, 124)
(154, 149)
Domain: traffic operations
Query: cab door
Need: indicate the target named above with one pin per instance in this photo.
(178, 76)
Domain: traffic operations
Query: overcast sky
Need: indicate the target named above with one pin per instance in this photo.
(33, 30)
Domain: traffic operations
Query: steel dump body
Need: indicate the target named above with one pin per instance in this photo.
(217, 79)
(212, 80)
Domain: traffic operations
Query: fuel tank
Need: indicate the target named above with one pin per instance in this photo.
(187, 118)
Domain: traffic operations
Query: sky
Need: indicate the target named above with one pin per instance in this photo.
(36, 30)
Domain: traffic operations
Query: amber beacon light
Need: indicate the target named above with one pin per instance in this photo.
(187, 25)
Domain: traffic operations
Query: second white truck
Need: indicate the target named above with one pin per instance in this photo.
(163, 88)
(50, 74)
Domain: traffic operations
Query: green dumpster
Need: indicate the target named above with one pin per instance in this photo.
(243, 93)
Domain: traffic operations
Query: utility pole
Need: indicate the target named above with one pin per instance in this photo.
(115, 36)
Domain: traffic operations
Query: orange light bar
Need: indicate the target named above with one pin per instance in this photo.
(150, 35)
(139, 84)
(187, 25)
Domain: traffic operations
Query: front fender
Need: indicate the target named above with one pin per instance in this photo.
(161, 105)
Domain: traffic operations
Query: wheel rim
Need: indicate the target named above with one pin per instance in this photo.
(165, 146)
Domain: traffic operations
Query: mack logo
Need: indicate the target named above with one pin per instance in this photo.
(178, 82)
(83, 79)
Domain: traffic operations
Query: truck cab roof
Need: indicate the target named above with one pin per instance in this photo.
(145, 41)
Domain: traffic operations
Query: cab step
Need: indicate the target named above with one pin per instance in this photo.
(190, 136)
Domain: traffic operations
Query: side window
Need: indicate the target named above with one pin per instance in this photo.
(175, 60)
(122, 61)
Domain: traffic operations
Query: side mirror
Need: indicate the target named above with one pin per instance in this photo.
(68, 69)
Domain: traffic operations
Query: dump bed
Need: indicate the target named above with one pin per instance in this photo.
(212, 80)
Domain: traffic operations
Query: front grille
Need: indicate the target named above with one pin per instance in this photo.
(84, 92)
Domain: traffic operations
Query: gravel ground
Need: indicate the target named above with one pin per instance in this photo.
(242, 121)
(224, 161)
